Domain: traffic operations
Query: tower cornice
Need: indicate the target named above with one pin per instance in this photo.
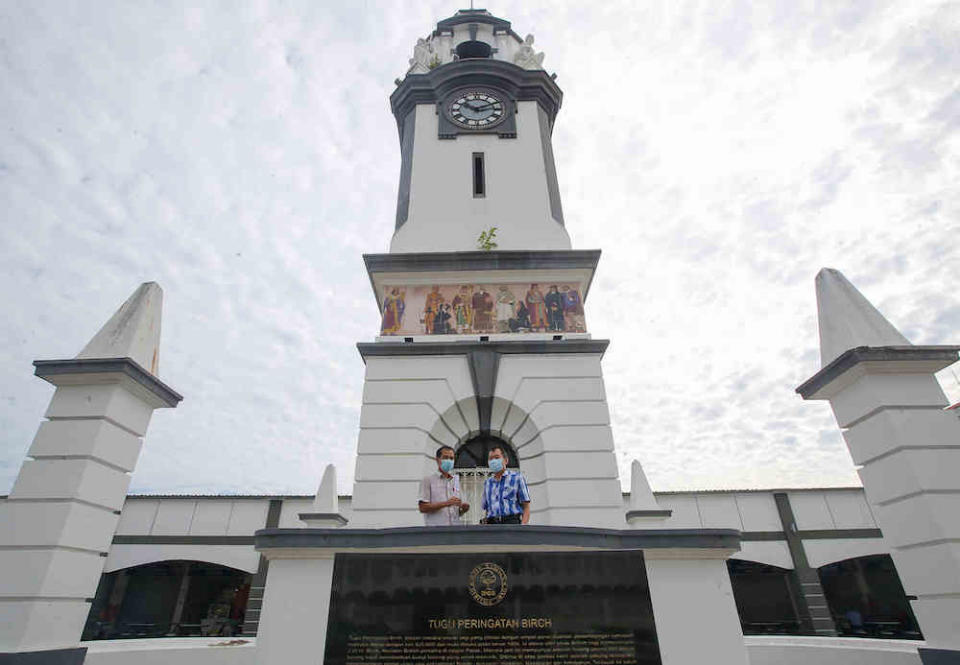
(476, 16)
(521, 84)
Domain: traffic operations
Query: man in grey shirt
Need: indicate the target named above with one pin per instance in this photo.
(439, 499)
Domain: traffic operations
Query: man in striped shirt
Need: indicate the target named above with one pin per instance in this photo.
(506, 498)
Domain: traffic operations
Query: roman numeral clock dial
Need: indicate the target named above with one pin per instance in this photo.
(476, 110)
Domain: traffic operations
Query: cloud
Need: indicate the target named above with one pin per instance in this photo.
(719, 155)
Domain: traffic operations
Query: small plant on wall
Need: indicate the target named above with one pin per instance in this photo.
(486, 239)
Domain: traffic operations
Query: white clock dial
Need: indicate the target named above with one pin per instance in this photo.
(476, 110)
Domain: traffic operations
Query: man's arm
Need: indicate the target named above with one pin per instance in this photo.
(427, 507)
(464, 506)
(523, 496)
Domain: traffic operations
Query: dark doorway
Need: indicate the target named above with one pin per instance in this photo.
(764, 596)
(473, 453)
(474, 49)
(866, 598)
(168, 599)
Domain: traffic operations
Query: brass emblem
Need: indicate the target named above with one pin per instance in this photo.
(488, 584)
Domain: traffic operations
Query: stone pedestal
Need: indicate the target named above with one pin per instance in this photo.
(57, 524)
(693, 609)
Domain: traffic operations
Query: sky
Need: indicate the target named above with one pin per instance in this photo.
(243, 155)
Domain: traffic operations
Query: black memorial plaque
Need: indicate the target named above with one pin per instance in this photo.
(547, 608)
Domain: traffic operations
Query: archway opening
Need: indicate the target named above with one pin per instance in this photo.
(764, 595)
(866, 598)
(473, 453)
(169, 599)
(474, 49)
(471, 464)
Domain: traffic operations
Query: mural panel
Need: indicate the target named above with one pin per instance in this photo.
(463, 309)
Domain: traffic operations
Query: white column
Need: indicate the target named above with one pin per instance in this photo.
(694, 610)
(296, 603)
(888, 402)
(59, 520)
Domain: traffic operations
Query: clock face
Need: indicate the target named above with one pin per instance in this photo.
(476, 110)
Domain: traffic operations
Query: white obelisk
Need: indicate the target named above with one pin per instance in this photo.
(59, 520)
(890, 406)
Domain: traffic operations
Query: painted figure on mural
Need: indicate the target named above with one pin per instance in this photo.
(461, 310)
(536, 308)
(482, 310)
(430, 307)
(573, 310)
(506, 307)
(521, 322)
(441, 320)
(393, 306)
(554, 304)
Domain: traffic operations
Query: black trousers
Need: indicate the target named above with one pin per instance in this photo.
(506, 519)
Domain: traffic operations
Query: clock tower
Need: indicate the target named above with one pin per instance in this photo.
(482, 343)
(475, 113)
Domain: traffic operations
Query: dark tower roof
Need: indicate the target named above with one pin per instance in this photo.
(476, 16)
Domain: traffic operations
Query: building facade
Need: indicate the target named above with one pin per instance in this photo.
(166, 543)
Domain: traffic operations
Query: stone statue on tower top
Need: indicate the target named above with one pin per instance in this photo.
(469, 33)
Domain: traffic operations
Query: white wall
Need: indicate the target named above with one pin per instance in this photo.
(831, 509)
(814, 510)
(443, 213)
(192, 516)
(830, 550)
(553, 410)
(410, 407)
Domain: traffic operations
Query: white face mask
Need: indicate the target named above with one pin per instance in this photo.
(496, 464)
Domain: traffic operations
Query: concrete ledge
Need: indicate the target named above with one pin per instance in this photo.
(173, 651)
(52, 657)
(328, 518)
(498, 535)
(452, 262)
(802, 650)
(368, 349)
(919, 358)
(519, 83)
(477, 260)
(67, 372)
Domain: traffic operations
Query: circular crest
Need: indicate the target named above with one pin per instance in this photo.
(488, 584)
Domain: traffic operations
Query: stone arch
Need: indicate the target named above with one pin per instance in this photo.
(243, 558)
(459, 423)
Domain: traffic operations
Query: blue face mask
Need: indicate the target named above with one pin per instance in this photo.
(446, 465)
(496, 464)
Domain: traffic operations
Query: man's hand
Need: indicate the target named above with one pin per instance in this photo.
(464, 507)
(455, 501)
